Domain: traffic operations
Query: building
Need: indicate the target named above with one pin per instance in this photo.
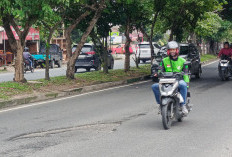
(32, 40)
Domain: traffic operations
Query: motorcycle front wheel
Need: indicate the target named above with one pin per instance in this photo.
(166, 115)
(223, 75)
(32, 70)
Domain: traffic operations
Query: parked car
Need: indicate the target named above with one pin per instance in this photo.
(89, 58)
(191, 54)
(120, 49)
(55, 56)
(144, 51)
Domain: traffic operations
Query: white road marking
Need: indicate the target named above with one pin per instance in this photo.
(65, 98)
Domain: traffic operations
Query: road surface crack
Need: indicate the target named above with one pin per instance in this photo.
(100, 127)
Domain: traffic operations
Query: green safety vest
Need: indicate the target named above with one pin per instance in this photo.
(175, 66)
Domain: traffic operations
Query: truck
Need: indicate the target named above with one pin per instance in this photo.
(55, 56)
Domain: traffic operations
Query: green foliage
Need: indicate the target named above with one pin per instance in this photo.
(25, 11)
(213, 27)
(183, 15)
(209, 25)
(227, 11)
(207, 57)
(52, 17)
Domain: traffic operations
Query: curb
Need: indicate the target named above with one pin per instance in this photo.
(69, 92)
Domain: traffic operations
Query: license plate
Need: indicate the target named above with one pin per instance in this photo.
(144, 51)
(82, 57)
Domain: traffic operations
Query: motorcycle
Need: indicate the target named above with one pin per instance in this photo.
(224, 69)
(171, 99)
(28, 67)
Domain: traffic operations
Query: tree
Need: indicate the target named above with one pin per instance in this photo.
(182, 15)
(21, 15)
(128, 19)
(227, 10)
(154, 7)
(100, 34)
(80, 11)
(51, 21)
(214, 26)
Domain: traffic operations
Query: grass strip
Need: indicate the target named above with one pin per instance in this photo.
(60, 83)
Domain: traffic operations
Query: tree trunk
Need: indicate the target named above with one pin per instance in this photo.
(51, 31)
(17, 47)
(105, 56)
(171, 36)
(19, 65)
(68, 44)
(96, 40)
(151, 35)
(71, 62)
(127, 46)
(68, 31)
(47, 77)
(211, 47)
(203, 47)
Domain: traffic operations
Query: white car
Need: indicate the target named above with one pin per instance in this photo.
(144, 51)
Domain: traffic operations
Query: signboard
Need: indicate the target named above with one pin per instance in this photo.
(114, 33)
(33, 34)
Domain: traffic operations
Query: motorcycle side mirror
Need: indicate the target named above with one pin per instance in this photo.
(193, 53)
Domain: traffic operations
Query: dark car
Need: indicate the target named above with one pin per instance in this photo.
(162, 53)
(55, 56)
(191, 54)
(89, 58)
(188, 52)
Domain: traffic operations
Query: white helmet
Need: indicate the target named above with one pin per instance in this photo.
(172, 45)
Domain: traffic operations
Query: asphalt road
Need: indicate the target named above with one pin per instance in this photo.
(40, 73)
(122, 122)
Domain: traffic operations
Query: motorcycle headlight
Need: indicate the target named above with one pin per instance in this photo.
(224, 64)
(167, 89)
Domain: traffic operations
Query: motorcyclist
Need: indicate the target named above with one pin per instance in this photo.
(173, 63)
(226, 51)
(27, 56)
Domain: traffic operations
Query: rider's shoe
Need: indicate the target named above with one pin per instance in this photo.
(184, 110)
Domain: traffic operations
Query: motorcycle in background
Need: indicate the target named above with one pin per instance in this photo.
(224, 68)
(28, 67)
